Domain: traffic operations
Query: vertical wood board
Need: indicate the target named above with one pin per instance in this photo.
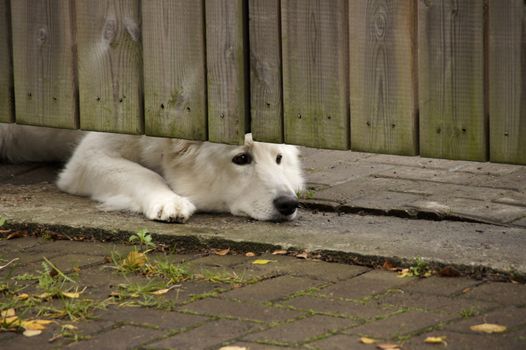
(110, 65)
(315, 72)
(6, 65)
(44, 62)
(265, 70)
(451, 79)
(226, 71)
(382, 38)
(174, 68)
(507, 81)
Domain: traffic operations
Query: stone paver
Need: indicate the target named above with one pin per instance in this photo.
(113, 339)
(501, 293)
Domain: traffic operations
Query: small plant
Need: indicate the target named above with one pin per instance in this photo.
(143, 238)
(26, 277)
(469, 312)
(174, 273)
(420, 268)
(53, 281)
(2, 221)
(223, 277)
(307, 194)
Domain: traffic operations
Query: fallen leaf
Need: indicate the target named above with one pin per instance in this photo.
(405, 273)
(35, 324)
(262, 262)
(466, 290)
(69, 326)
(22, 296)
(161, 291)
(8, 313)
(388, 346)
(230, 347)
(449, 271)
(279, 252)
(250, 254)
(76, 269)
(134, 258)
(435, 340)
(365, 340)
(44, 296)
(114, 294)
(16, 235)
(71, 295)
(488, 328)
(222, 252)
(388, 265)
(32, 332)
(303, 255)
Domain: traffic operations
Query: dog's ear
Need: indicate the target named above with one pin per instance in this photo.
(248, 139)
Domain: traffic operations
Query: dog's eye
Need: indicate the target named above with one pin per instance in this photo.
(242, 159)
(278, 158)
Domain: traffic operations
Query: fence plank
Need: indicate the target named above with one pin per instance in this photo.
(383, 76)
(110, 65)
(174, 68)
(43, 63)
(265, 70)
(315, 71)
(227, 71)
(507, 81)
(451, 79)
(6, 65)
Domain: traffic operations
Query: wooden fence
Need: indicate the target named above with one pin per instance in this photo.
(440, 78)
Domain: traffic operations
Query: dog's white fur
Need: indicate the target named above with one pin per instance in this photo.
(165, 179)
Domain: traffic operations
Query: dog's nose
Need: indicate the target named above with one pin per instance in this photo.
(286, 205)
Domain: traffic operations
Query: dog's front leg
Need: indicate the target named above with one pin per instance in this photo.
(120, 184)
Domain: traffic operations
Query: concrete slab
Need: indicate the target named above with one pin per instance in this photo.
(362, 239)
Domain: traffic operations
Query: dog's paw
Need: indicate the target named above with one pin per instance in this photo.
(171, 208)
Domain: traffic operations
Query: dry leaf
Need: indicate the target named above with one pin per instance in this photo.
(436, 340)
(222, 252)
(35, 324)
(71, 295)
(405, 273)
(233, 347)
(303, 255)
(365, 340)
(449, 271)
(134, 258)
(279, 252)
(250, 254)
(114, 294)
(22, 296)
(262, 262)
(161, 291)
(32, 332)
(488, 328)
(44, 296)
(69, 326)
(388, 265)
(8, 313)
(388, 346)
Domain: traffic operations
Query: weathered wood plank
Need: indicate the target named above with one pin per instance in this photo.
(44, 62)
(383, 76)
(266, 105)
(507, 81)
(451, 79)
(110, 65)
(227, 71)
(7, 114)
(315, 72)
(174, 68)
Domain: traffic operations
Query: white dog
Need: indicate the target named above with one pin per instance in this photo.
(166, 179)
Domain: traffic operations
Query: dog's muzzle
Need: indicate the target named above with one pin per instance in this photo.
(286, 205)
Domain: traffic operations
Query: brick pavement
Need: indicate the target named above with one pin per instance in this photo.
(289, 303)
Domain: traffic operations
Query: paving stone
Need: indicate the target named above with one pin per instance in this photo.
(210, 334)
(100, 281)
(515, 180)
(365, 285)
(340, 342)
(347, 192)
(459, 341)
(398, 325)
(520, 222)
(509, 316)
(501, 293)
(256, 346)
(272, 289)
(82, 247)
(339, 307)
(22, 248)
(226, 261)
(152, 318)
(301, 331)
(385, 200)
(113, 339)
(439, 285)
(9, 171)
(450, 305)
(419, 162)
(436, 175)
(190, 290)
(245, 310)
(483, 210)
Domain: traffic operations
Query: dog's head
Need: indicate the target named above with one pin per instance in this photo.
(260, 180)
